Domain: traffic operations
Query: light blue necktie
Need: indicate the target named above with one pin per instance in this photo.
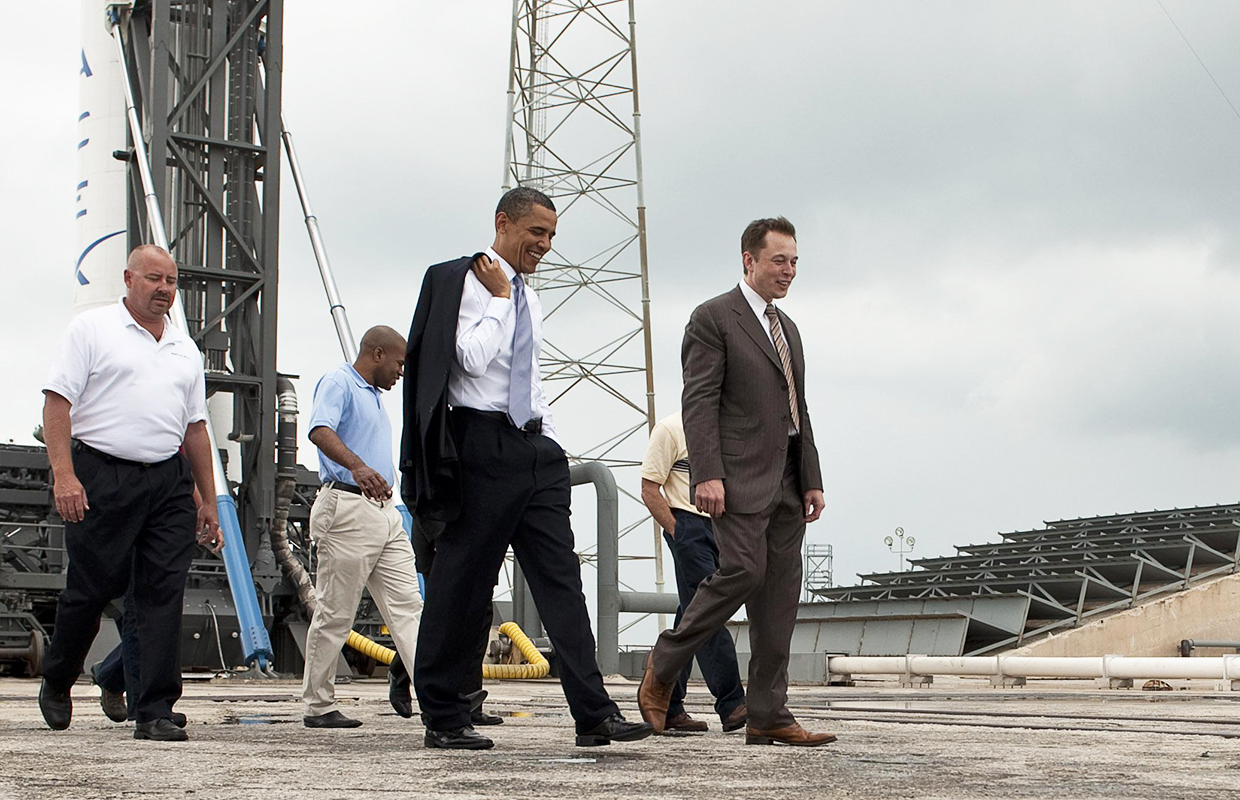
(522, 358)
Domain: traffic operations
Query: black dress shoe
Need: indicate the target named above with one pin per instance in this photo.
(160, 730)
(398, 688)
(332, 719)
(614, 728)
(179, 719)
(57, 707)
(481, 717)
(465, 738)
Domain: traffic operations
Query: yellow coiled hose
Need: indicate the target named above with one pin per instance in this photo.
(536, 666)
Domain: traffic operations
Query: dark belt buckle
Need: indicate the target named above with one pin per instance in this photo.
(533, 426)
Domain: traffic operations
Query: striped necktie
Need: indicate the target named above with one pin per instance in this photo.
(781, 347)
(519, 389)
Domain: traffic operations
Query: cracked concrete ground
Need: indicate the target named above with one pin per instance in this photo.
(957, 739)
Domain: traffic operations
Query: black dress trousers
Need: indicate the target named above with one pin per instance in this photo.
(515, 491)
(141, 518)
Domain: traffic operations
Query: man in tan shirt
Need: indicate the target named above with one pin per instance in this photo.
(665, 491)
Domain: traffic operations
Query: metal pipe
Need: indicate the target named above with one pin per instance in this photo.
(343, 332)
(649, 602)
(256, 644)
(647, 338)
(286, 472)
(1225, 668)
(608, 560)
(1187, 646)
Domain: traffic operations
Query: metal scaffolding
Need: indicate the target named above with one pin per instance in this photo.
(574, 132)
(819, 570)
(213, 127)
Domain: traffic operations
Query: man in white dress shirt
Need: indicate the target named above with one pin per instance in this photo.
(125, 394)
(513, 487)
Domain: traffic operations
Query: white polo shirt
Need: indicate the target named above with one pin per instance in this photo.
(132, 397)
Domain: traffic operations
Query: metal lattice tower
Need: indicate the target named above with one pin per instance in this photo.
(819, 570)
(573, 132)
(215, 128)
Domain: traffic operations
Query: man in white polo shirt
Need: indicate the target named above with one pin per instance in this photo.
(125, 394)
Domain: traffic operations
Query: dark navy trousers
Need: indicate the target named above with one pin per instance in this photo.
(118, 672)
(697, 557)
(140, 525)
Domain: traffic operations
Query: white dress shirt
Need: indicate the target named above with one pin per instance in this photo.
(484, 333)
(759, 309)
(131, 396)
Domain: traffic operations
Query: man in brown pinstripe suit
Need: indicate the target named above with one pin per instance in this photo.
(754, 468)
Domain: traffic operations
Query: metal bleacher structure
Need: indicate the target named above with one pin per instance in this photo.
(995, 596)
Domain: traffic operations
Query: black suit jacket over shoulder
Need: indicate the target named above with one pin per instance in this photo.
(430, 482)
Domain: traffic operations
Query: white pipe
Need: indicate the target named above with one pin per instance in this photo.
(1111, 666)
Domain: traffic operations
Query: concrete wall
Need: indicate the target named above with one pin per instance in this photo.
(1207, 611)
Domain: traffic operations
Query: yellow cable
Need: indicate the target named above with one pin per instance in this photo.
(536, 668)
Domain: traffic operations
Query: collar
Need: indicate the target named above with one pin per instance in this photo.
(755, 300)
(508, 270)
(352, 372)
(128, 320)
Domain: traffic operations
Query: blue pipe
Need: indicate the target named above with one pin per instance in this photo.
(255, 643)
(404, 513)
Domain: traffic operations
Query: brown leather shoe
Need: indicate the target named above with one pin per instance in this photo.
(653, 697)
(793, 734)
(683, 723)
(736, 720)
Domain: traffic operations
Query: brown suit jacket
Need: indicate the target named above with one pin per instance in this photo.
(735, 403)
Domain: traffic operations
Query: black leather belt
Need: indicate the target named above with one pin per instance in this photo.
(82, 447)
(344, 487)
(533, 426)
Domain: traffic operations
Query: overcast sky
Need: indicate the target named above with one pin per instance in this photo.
(1019, 226)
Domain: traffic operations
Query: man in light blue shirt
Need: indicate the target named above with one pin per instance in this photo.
(360, 533)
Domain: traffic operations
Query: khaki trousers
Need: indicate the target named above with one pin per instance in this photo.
(361, 543)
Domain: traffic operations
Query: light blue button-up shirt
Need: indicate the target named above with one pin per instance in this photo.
(346, 403)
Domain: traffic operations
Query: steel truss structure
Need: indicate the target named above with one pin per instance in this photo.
(1053, 578)
(573, 132)
(213, 124)
(819, 568)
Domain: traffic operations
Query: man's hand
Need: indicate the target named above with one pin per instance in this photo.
(708, 497)
(492, 276)
(209, 533)
(814, 503)
(371, 483)
(70, 497)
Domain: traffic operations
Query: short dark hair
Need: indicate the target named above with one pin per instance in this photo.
(516, 203)
(754, 237)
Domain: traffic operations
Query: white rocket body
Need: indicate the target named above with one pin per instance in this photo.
(102, 244)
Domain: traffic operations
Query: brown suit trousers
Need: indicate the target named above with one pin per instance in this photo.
(736, 414)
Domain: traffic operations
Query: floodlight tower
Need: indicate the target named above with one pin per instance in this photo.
(574, 132)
